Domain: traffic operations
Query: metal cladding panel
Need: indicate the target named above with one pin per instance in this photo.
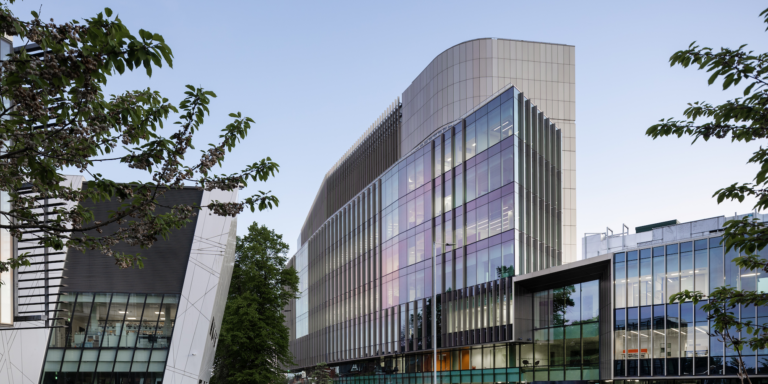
(165, 263)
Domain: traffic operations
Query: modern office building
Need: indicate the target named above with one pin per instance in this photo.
(75, 317)
(654, 338)
(480, 155)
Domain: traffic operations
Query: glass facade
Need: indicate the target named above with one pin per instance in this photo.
(655, 338)
(489, 184)
(566, 334)
(101, 337)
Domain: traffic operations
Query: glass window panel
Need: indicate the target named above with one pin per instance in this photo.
(494, 218)
(507, 166)
(686, 329)
(541, 306)
(508, 259)
(701, 339)
(449, 231)
(459, 190)
(673, 331)
(572, 296)
(448, 275)
(419, 210)
(507, 212)
(590, 301)
(481, 129)
(140, 360)
(673, 275)
(458, 151)
(659, 277)
(411, 243)
(94, 336)
(701, 270)
(495, 262)
(448, 162)
(438, 160)
(590, 343)
(633, 347)
(130, 331)
(419, 166)
(526, 355)
(53, 360)
(482, 178)
(411, 212)
(71, 360)
(619, 332)
(411, 176)
(471, 187)
(573, 348)
(470, 148)
(646, 282)
(152, 312)
(494, 126)
(659, 349)
(420, 246)
(106, 360)
(80, 317)
(459, 276)
(123, 361)
(60, 338)
(500, 357)
(731, 269)
(482, 222)
(166, 322)
(686, 266)
(157, 361)
(459, 238)
(716, 275)
(557, 346)
(573, 373)
(471, 269)
(494, 172)
(88, 361)
(633, 281)
(646, 317)
(476, 358)
(488, 358)
(507, 118)
(482, 266)
(471, 226)
(448, 196)
(620, 295)
(541, 348)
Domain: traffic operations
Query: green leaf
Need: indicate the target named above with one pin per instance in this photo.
(108, 12)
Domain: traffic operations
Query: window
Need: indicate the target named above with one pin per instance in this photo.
(98, 324)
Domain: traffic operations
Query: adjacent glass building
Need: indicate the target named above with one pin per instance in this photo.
(654, 338)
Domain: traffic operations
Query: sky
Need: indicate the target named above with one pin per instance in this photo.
(315, 75)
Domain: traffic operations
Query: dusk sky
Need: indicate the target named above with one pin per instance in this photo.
(315, 75)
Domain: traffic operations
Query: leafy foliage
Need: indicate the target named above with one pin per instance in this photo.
(253, 342)
(55, 117)
(742, 119)
(320, 374)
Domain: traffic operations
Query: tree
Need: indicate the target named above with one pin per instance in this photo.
(55, 117)
(320, 374)
(742, 119)
(253, 342)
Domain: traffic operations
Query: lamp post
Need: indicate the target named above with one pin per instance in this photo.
(434, 310)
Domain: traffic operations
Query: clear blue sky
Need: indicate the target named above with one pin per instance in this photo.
(314, 75)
